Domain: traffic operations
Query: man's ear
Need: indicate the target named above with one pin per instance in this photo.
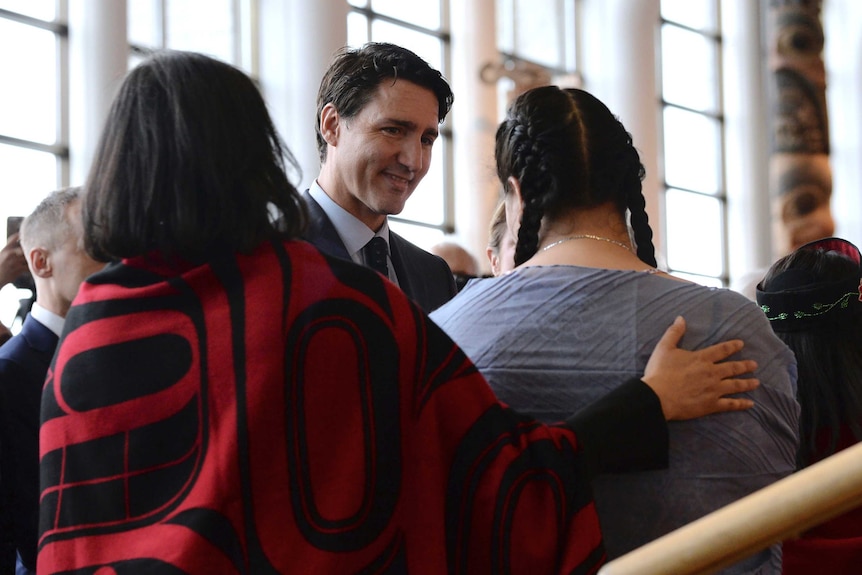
(514, 205)
(330, 122)
(39, 261)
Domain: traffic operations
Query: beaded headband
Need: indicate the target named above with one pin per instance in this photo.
(797, 301)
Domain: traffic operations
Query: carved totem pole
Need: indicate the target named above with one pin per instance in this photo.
(800, 177)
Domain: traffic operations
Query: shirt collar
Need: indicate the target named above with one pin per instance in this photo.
(47, 318)
(353, 233)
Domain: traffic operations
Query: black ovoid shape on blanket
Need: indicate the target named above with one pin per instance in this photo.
(119, 372)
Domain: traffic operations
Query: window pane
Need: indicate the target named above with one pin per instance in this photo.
(29, 111)
(212, 35)
(145, 23)
(419, 235)
(357, 30)
(506, 26)
(428, 47)
(538, 28)
(689, 69)
(425, 13)
(694, 233)
(702, 280)
(698, 14)
(426, 203)
(41, 9)
(26, 176)
(692, 151)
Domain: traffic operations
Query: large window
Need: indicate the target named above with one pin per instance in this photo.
(537, 43)
(33, 113)
(693, 137)
(423, 28)
(223, 29)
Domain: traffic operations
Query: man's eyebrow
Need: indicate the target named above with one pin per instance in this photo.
(402, 123)
(412, 126)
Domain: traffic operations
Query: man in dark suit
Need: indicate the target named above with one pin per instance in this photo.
(378, 114)
(51, 240)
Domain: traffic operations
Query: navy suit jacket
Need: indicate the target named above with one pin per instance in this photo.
(424, 277)
(24, 362)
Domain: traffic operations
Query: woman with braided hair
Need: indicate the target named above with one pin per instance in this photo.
(585, 304)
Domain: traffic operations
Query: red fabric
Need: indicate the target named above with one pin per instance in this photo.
(285, 413)
(834, 547)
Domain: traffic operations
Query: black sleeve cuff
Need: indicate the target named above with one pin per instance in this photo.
(623, 431)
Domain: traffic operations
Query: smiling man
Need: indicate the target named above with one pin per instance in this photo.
(379, 109)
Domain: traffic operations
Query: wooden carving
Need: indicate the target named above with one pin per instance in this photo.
(799, 172)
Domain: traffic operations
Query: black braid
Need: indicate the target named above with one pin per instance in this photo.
(633, 173)
(641, 228)
(528, 233)
(528, 170)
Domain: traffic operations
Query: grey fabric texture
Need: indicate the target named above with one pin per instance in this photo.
(552, 339)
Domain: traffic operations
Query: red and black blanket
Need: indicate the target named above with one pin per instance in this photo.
(281, 412)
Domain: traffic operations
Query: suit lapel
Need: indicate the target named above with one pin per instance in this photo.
(321, 232)
(403, 266)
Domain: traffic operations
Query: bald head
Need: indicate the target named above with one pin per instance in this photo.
(460, 261)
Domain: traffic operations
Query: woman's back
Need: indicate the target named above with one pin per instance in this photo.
(572, 332)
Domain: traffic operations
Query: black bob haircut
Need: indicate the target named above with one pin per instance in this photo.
(189, 165)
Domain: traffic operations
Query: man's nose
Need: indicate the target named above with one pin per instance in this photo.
(412, 154)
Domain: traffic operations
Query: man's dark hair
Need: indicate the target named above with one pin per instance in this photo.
(354, 75)
(189, 164)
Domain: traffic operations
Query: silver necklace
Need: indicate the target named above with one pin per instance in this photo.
(588, 237)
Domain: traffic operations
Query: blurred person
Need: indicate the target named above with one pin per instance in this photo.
(586, 304)
(813, 300)
(462, 263)
(51, 239)
(226, 399)
(379, 108)
(12, 265)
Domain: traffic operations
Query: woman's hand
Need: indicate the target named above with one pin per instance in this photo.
(695, 383)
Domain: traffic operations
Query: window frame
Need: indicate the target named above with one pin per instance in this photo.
(721, 193)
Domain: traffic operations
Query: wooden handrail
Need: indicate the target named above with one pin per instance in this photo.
(777, 512)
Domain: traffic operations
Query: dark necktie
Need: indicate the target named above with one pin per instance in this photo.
(375, 253)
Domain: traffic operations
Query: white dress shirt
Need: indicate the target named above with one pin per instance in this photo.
(354, 234)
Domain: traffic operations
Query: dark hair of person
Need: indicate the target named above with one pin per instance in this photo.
(354, 75)
(497, 229)
(829, 360)
(189, 165)
(568, 151)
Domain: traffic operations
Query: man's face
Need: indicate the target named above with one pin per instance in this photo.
(69, 261)
(377, 158)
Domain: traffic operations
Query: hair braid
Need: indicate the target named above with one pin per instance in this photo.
(631, 185)
(529, 173)
(641, 228)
